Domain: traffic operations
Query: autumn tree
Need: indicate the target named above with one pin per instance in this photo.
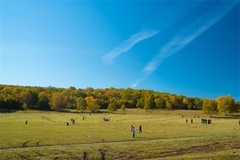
(92, 103)
(209, 106)
(168, 105)
(230, 103)
(226, 104)
(57, 102)
(221, 104)
(112, 93)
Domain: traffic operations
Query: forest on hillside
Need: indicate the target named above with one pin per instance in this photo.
(90, 99)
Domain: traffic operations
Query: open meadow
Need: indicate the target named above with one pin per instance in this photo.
(166, 135)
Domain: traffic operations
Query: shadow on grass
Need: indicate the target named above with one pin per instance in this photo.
(7, 110)
(85, 112)
(227, 117)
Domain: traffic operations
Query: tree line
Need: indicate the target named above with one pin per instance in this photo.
(90, 99)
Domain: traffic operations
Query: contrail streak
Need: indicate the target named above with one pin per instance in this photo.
(165, 19)
(128, 44)
(186, 36)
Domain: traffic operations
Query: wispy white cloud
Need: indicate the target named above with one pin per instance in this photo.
(136, 83)
(185, 36)
(162, 21)
(128, 44)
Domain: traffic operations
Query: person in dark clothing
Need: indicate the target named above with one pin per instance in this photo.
(140, 129)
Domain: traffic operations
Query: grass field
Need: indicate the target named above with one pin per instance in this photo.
(165, 135)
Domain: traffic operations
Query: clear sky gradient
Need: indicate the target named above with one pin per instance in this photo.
(180, 47)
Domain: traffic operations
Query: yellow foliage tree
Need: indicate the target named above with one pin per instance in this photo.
(92, 103)
(209, 106)
(57, 102)
(226, 104)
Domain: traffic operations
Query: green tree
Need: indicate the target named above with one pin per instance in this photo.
(8, 102)
(128, 98)
(24, 106)
(29, 97)
(160, 103)
(43, 100)
(187, 103)
(123, 107)
(140, 103)
(238, 106)
(149, 102)
(89, 91)
(198, 103)
(112, 107)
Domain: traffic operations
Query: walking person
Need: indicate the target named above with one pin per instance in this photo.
(133, 132)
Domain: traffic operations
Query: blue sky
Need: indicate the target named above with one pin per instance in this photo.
(180, 47)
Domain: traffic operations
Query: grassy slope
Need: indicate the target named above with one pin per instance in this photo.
(49, 129)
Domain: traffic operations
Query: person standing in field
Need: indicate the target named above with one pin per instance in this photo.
(131, 128)
(133, 132)
(140, 129)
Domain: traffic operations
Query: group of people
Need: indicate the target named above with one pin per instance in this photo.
(206, 121)
(195, 116)
(187, 120)
(72, 120)
(132, 129)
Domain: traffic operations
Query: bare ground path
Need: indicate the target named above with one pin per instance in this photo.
(99, 143)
